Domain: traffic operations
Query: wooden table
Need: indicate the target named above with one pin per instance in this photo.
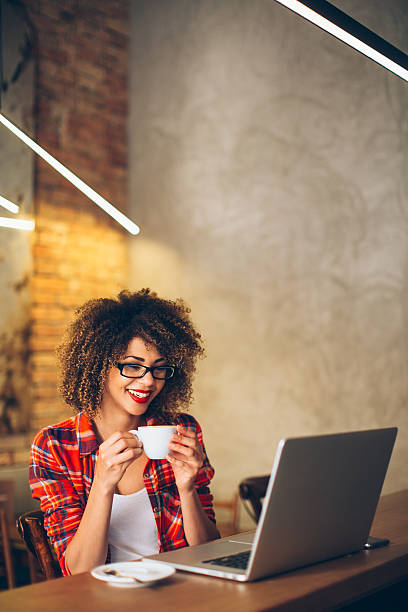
(324, 586)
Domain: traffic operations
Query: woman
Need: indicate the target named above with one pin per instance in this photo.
(125, 363)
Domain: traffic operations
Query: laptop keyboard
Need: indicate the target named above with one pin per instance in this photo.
(238, 560)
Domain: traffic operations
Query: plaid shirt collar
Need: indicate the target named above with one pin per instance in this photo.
(86, 435)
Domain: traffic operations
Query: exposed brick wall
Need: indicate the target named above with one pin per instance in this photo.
(81, 116)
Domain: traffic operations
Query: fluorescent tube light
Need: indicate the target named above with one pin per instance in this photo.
(70, 176)
(345, 28)
(16, 223)
(10, 206)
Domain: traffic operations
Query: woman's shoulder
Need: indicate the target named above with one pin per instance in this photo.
(187, 420)
(63, 431)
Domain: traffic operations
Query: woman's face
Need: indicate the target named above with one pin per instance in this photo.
(133, 395)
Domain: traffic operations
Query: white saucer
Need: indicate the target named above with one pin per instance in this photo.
(139, 569)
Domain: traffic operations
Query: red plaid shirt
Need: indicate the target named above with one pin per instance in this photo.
(62, 468)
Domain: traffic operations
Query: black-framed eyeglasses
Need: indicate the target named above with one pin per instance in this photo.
(135, 370)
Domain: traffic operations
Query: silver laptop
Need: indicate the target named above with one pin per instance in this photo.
(320, 503)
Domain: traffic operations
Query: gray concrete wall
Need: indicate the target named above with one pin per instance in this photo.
(268, 173)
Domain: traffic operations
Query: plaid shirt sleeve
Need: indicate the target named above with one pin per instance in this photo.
(53, 484)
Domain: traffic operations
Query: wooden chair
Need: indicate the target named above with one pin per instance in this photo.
(6, 517)
(253, 490)
(6, 560)
(31, 528)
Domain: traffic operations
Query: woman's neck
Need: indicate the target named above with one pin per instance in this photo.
(106, 425)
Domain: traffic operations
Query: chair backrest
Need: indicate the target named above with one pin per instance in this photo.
(253, 490)
(7, 498)
(30, 526)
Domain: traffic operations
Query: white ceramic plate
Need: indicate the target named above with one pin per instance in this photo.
(139, 569)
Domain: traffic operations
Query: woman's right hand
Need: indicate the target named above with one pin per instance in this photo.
(116, 453)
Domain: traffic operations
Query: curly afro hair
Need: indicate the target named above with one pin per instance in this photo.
(99, 335)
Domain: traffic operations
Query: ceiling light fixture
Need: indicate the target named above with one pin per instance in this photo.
(111, 210)
(345, 28)
(14, 223)
(70, 176)
(20, 224)
(10, 206)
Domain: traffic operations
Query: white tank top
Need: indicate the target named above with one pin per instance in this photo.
(132, 529)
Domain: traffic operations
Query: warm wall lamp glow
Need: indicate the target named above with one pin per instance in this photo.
(70, 176)
(351, 32)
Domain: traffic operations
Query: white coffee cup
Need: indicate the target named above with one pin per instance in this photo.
(156, 439)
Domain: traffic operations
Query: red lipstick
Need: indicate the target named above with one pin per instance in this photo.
(140, 396)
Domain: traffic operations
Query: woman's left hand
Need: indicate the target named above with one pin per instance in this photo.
(186, 458)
